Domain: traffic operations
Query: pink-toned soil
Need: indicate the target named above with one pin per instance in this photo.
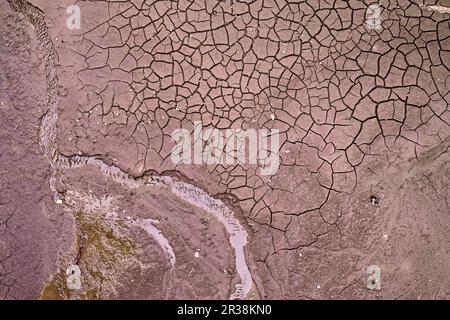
(87, 118)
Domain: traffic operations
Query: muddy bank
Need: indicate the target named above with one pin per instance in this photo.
(34, 233)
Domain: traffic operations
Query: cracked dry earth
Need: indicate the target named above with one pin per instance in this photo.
(87, 177)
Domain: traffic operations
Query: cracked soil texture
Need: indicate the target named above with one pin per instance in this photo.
(362, 113)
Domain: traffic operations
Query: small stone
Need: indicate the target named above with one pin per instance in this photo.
(374, 200)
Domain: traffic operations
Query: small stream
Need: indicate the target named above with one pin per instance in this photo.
(237, 234)
(149, 226)
(187, 192)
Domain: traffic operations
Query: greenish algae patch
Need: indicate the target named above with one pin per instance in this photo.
(101, 252)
